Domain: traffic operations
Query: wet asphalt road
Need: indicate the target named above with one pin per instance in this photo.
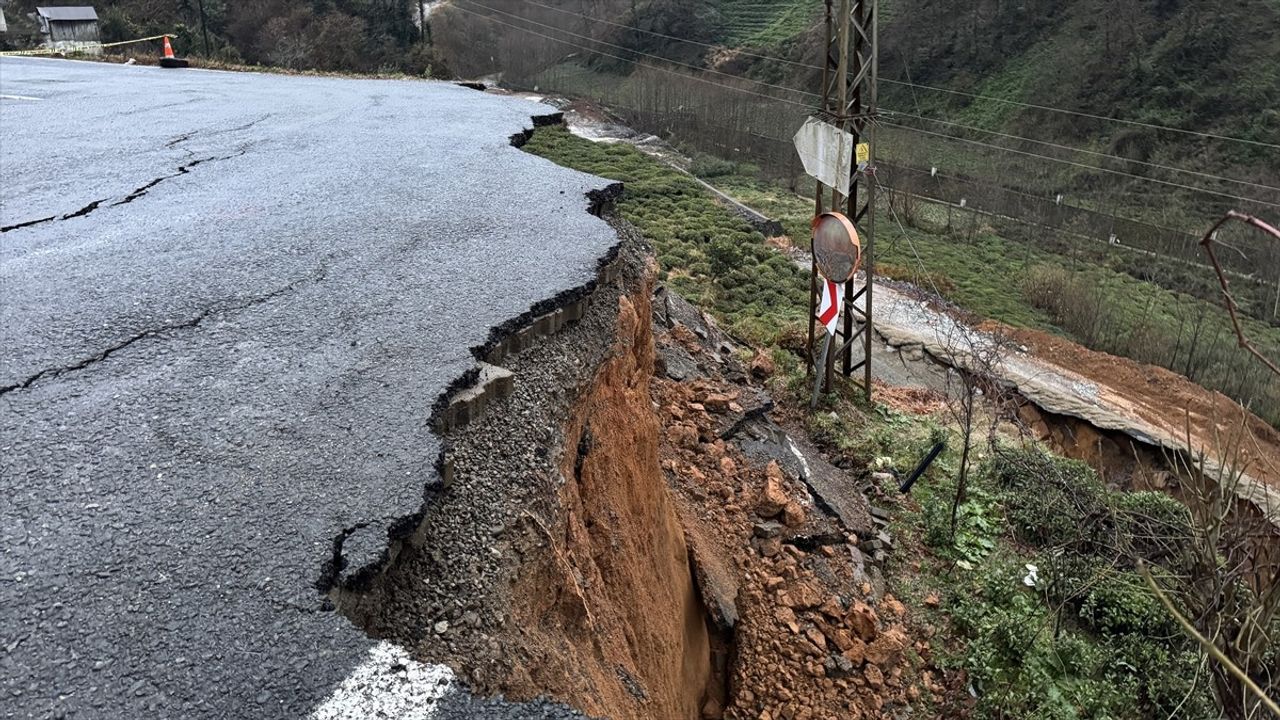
(222, 351)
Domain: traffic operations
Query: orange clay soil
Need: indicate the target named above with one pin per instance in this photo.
(1164, 398)
(812, 641)
(609, 619)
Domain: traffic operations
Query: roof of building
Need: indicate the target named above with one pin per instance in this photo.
(68, 14)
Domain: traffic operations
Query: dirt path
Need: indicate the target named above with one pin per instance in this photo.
(1148, 403)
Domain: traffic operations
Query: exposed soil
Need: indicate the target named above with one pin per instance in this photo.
(1165, 399)
(813, 634)
(610, 620)
(448, 595)
(911, 400)
(607, 543)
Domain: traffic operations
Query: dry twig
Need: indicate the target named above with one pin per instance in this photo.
(1208, 646)
(1207, 242)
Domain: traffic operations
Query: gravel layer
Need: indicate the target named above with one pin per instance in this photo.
(444, 595)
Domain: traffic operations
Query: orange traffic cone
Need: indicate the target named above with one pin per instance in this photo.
(170, 60)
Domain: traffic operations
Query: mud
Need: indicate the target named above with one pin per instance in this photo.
(611, 609)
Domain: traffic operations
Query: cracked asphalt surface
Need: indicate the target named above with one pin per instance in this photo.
(227, 304)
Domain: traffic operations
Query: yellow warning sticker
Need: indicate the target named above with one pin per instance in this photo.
(863, 153)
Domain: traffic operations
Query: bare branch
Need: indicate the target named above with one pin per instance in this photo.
(1208, 646)
(1207, 242)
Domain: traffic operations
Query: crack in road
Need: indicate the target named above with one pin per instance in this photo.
(318, 276)
(7, 228)
(336, 562)
(134, 195)
(182, 170)
(178, 140)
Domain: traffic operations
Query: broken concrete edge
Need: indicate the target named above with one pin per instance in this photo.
(542, 319)
(499, 459)
(549, 119)
(467, 396)
(491, 383)
(332, 577)
(461, 402)
(1256, 493)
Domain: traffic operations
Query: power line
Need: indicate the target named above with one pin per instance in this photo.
(1039, 198)
(1081, 165)
(1083, 150)
(531, 31)
(654, 33)
(907, 236)
(1037, 224)
(1012, 191)
(1023, 221)
(1079, 113)
(975, 96)
(913, 85)
(1071, 233)
(645, 54)
(792, 102)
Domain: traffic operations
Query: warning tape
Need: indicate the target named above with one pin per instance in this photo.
(55, 51)
(126, 42)
(40, 51)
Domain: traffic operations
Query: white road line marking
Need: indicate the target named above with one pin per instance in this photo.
(388, 684)
(18, 97)
(804, 464)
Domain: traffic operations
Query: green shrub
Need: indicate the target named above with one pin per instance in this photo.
(1163, 676)
(1155, 526)
(1050, 501)
(709, 166)
(1120, 603)
(1022, 665)
(725, 256)
(978, 523)
(1017, 666)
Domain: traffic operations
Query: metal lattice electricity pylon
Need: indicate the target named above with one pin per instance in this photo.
(849, 79)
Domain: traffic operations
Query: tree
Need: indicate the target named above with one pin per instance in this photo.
(975, 357)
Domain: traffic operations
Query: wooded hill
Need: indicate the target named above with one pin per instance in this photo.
(1205, 68)
(331, 35)
(1007, 105)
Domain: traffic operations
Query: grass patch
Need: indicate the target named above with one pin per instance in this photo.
(757, 23)
(705, 252)
(1085, 639)
(1103, 307)
(717, 260)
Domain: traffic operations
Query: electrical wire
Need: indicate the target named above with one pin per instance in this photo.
(654, 33)
(531, 31)
(1039, 198)
(645, 54)
(907, 236)
(792, 102)
(914, 85)
(1081, 165)
(1079, 113)
(1082, 150)
(919, 117)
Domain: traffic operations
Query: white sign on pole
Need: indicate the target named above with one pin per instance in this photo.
(827, 153)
